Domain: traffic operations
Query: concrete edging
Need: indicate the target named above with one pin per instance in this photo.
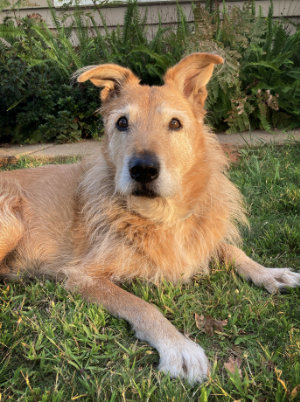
(50, 152)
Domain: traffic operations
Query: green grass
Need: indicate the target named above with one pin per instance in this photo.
(54, 346)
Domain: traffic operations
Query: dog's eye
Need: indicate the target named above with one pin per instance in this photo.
(122, 124)
(175, 124)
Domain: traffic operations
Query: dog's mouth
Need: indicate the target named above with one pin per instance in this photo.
(144, 191)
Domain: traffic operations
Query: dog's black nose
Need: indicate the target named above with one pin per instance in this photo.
(144, 168)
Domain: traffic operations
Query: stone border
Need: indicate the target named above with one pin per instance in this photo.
(60, 152)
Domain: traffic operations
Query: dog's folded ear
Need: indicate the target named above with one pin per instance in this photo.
(110, 77)
(192, 74)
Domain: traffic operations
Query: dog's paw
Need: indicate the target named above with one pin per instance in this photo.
(274, 279)
(184, 359)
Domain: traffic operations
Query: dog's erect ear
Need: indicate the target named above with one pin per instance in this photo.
(110, 77)
(192, 74)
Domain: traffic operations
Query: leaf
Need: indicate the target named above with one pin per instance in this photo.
(263, 63)
(208, 324)
(295, 391)
(279, 379)
(234, 365)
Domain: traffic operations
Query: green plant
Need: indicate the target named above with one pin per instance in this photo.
(39, 105)
(258, 87)
(148, 56)
(39, 102)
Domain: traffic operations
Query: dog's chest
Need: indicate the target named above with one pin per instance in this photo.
(174, 253)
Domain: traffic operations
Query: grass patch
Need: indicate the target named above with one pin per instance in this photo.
(56, 347)
(25, 162)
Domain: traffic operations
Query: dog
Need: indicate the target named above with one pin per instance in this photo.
(155, 203)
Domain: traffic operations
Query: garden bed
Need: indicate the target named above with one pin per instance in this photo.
(257, 87)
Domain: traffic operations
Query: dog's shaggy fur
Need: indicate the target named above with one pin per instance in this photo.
(155, 204)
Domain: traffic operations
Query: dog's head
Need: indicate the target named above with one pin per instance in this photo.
(154, 135)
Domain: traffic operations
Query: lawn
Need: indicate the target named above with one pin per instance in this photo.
(54, 346)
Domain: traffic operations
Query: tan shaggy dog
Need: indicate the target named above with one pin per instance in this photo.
(156, 203)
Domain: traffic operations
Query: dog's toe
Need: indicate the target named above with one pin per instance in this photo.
(280, 278)
(185, 359)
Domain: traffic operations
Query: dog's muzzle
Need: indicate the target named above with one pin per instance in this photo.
(144, 168)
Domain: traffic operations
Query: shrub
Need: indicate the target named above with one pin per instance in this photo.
(257, 87)
(37, 99)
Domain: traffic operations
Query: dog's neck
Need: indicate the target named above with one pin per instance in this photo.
(163, 211)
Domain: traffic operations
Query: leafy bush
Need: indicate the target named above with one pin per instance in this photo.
(131, 46)
(37, 99)
(258, 86)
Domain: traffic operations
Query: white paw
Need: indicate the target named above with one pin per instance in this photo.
(274, 279)
(184, 358)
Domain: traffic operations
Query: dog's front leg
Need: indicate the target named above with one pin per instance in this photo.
(272, 279)
(179, 356)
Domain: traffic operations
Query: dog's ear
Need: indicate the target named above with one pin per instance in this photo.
(192, 74)
(110, 77)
